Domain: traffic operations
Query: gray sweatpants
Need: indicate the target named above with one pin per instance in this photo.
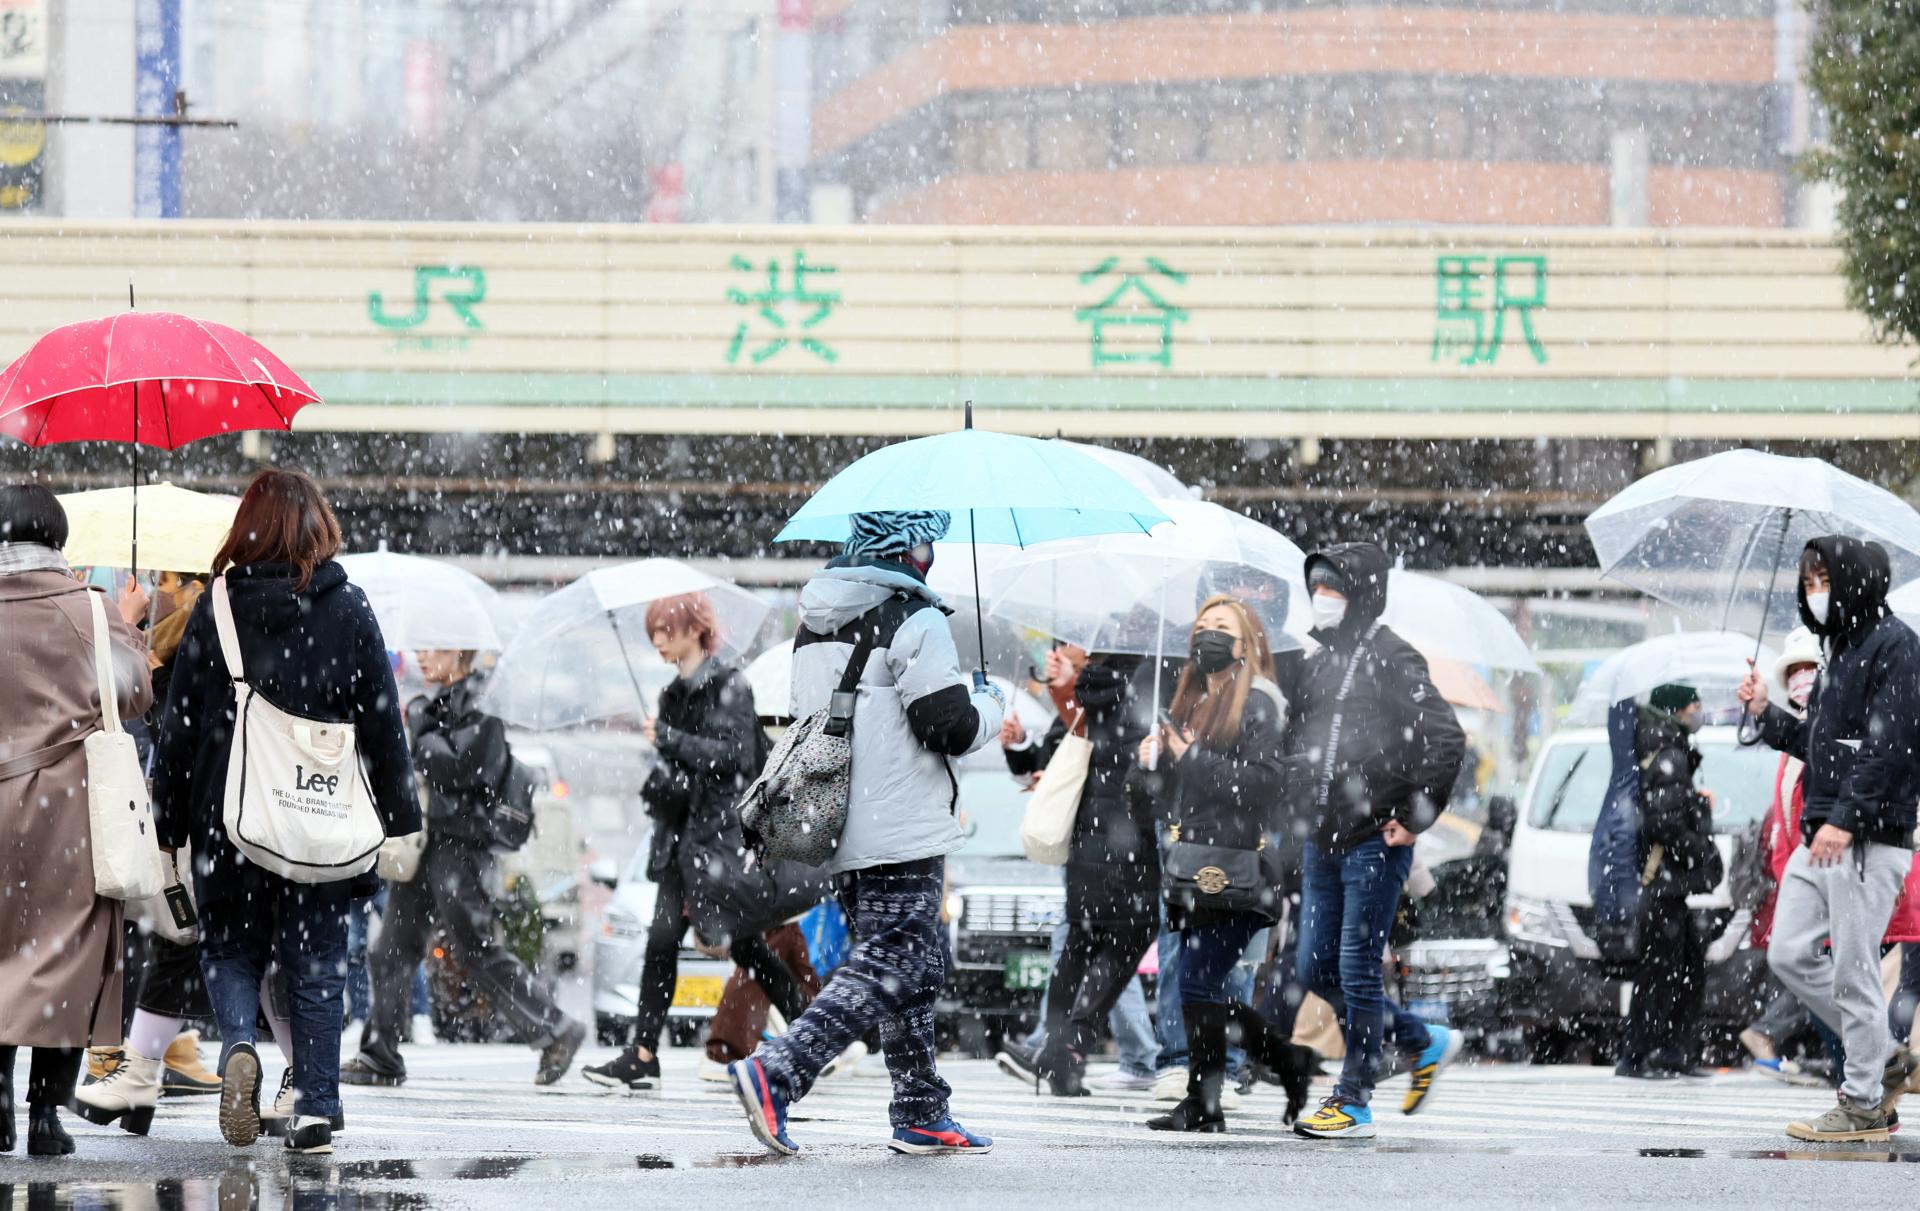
(1851, 902)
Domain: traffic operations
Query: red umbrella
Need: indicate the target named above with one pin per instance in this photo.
(152, 378)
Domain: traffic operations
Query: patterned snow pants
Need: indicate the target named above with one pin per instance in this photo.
(888, 984)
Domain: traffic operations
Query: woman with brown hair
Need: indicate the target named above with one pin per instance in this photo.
(309, 645)
(1214, 767)
(710, 748)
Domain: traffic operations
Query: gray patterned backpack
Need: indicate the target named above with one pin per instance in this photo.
(797, 808)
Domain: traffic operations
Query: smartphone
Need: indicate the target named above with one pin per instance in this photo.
(1165, 717)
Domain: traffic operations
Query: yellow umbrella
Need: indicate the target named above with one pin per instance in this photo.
(179, 529)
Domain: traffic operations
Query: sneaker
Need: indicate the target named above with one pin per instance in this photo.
(420, 1033)
(1790, 1072)
(240, 1096)
(1021, 1063)
(1337, 1119)
(1759, 1046)
(766, 1113)
(360, 1070)
(1846, 1123)
(101, 1061)
(935, 1138)
(1170, 1085)
(556, 1057)
(626, 1071)
(1443, 1047)
(712, 1072)
(1121, 1081)
(186, 1075)
(848, 1061)
(275, 1119)
(309, 1135)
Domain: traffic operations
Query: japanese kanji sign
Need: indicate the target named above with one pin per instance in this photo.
(777, 315)
(1132, 306)
(1472, 297)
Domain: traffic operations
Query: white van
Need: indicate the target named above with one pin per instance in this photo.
(1558, 994)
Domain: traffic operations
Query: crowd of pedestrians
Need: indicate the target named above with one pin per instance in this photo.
(1244, 811)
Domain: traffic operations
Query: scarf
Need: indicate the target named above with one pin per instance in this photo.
(31, 557)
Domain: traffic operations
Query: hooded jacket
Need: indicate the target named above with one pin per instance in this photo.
(914, 711)
(1398, 746)
(1673, 815)
(1861, 736)
(315, 652)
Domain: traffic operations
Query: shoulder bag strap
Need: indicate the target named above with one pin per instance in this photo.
(847, 694)
(223, 623)
(1330, 764)
(103, 663)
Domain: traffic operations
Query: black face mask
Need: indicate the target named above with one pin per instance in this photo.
(1213, 652)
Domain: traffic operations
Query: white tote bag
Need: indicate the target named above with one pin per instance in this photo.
(1046, 830)
(298, 802)
(126, 853)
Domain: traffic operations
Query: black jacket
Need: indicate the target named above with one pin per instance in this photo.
(1673, 815)
(711, 749)
(316, 653)
(1399, 744)
(1861, 736)
(462, 755)
(1113, 866)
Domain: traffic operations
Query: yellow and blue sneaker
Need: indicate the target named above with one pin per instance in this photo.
(1337, 1119)
(766, 1111)
(943, 1136)
(1443, 1047)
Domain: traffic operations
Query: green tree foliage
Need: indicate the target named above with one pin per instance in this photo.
(1863, 67)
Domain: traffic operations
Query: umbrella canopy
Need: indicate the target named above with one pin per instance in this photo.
(1463, 687)
(426, 605)
(1719, 537)
(1150, 477)
(1905, 601)
(1000, 488)
(583, 653)
(151, 377)
(181, 532)
(1713, 662)
(1448, 622)
(1138, 593)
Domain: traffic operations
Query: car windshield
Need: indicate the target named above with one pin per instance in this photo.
(1575, 775)
(992, 803)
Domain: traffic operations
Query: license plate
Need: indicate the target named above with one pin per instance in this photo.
(1027, 971)
(698, 992)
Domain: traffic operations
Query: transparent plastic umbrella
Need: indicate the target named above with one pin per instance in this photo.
(426, 605)
(1148, 476)
(583, 653)
(1712, 662)
(1138, 593)
(1449, 622)
(1720, 537)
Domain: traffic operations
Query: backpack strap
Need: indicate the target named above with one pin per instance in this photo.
(229, 637)
(847, 694)
(103, 663)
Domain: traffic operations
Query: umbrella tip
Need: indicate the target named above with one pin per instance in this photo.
(129, 294)
(969, 414)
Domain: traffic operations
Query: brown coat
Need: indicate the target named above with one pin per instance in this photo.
(59, 943)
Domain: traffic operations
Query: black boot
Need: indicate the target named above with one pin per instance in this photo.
(1065, 1071)
(1206, 1072)
(1275, 1060)
(45, 1135)
(7, 1057)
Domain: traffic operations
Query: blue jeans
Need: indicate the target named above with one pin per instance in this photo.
(1170, 1025)
(305, 928)
(1132, 1026)
(1347, 902)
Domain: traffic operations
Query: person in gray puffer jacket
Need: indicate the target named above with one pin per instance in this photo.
(915, 713)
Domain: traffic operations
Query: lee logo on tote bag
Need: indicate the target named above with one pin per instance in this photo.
(297, 798)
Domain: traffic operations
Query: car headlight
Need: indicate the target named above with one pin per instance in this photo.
(1531, 920)
(955, 906)
(621, 926)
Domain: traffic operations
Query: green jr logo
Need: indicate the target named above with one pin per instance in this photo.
(463, 298)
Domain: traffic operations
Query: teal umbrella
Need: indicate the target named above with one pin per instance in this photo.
(1000, 488)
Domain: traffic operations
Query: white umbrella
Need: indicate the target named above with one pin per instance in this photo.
(771, 676)
(583, 653)
(1905, 601)
(1718, 537)
(1139, 593)
(1708, 661)
(426, 605)
(182, 531)
(1448, 622)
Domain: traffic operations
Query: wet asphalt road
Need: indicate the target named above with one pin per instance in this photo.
(470, 1130)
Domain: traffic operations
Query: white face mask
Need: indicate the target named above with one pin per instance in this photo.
(1817, 606)
(1800, 687)
(1328, 612)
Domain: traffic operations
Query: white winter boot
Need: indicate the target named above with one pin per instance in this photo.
(127, 1095)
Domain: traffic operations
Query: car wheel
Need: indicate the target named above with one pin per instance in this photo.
(611, 1030)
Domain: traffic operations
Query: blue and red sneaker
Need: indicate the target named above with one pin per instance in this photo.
(943, 1136)
(766, 1113)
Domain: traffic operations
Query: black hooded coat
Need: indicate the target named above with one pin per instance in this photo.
(1397, 746)
(1861, 736)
